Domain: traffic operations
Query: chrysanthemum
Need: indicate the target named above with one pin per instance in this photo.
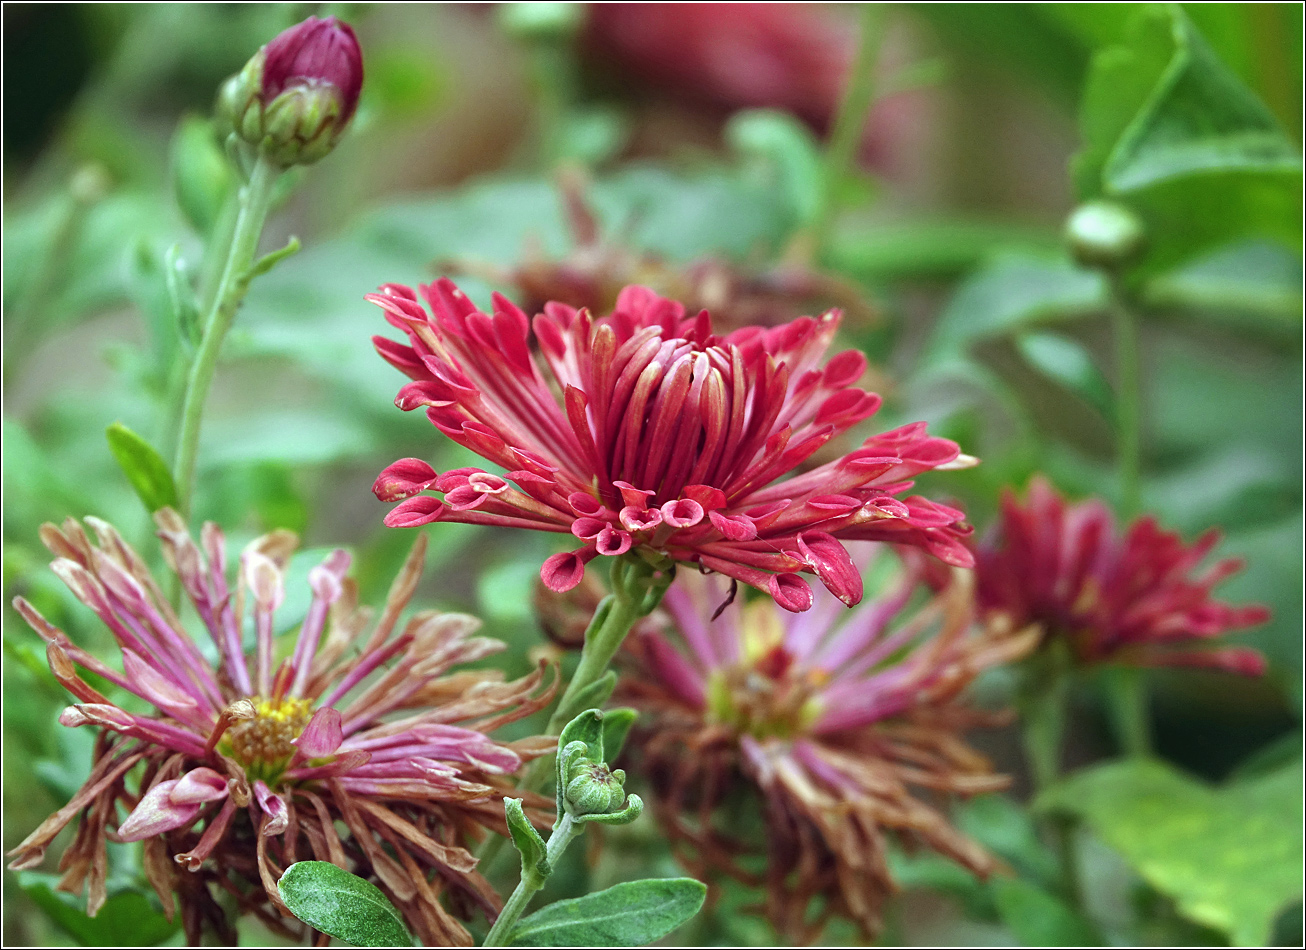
(1138, 599)
(241, 768)
(651, 434)
(832, 717)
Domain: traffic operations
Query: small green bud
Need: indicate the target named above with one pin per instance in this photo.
(548, 22)
(1104, 234)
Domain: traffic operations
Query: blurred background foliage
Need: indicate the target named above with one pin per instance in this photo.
(990, 122)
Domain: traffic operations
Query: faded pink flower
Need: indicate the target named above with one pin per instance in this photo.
(1136, 599)
(360, 723)
(644, 432)
(831, 717)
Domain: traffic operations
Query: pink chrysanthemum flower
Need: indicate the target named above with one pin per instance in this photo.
(651, 434)
(243, 768)
(1136, 599)
(832, 717)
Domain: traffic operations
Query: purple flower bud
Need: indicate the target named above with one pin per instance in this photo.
(315, 53)
(295, 97)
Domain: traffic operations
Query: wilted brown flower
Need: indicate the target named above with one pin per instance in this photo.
(359, 747)
(831, 719)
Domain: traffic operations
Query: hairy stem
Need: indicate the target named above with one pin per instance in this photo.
(232, 285)
(563, 833)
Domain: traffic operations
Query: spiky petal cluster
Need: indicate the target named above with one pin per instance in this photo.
(832, 717)
(656, 436)
(1136, 599)
(358, 725)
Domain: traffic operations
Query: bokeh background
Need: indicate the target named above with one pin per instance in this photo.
(947, 241)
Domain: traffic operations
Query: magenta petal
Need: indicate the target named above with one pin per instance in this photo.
(832, 564)
(323, 734)
(562, 572)
(157, 813)
(198, 786)
(148, 682)
(403, 479)
(273, 806)
(734, 527)
(414, 512)
(790, 592)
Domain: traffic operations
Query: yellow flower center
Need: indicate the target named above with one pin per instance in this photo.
(764, 695)
(262, 745)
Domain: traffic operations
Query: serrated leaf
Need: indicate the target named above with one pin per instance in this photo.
(143, 466)
(343, 905)
(625, 915)
(1230, 857)
(1038, 918)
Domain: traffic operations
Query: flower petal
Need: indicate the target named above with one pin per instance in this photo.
(156, 813)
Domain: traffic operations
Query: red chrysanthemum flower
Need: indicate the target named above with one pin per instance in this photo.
(1135, 599)
(359, 747)
(832, 718)
(657, 436)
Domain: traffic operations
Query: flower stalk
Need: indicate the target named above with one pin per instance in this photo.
(563, 832)
(237, 271)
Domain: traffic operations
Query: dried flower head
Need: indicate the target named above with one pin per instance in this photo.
(598, 266)
(243, 768)
(832, 718)
(1135, 599)
(656, 437)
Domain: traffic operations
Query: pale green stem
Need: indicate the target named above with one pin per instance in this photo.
(1044, 720)
(635, 592)
(255, 201)
(563, 833)
(1128, 404)
(850, 121)
(1127, 689)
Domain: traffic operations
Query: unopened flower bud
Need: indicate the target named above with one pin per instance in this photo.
(295, 97)
(1104, 234)
(593, 790)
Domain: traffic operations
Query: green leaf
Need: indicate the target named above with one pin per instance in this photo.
(1038, 919)
(1230, 857)
(1006, 829)
(596, 693)
(1252, 285)
(343, 905)
(1200, 117)
(925, 249)
(1014, 292)
(625, 915)
(127, 919)
(1201, 159)
(143, 466)
(786, 152)
(534, 852)
(586, 728)
(1066, 361)
(616, 726)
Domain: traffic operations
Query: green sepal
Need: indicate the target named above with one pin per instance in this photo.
(634, 808)
(534, 853)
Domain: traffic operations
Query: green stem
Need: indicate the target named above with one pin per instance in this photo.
(1127, 702)
(850, 121)
(234, 282)
(563, 833)
(636, 591)
(1044, 706)
(1128, 404)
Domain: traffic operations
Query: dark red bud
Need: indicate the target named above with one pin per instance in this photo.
(315, 52)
